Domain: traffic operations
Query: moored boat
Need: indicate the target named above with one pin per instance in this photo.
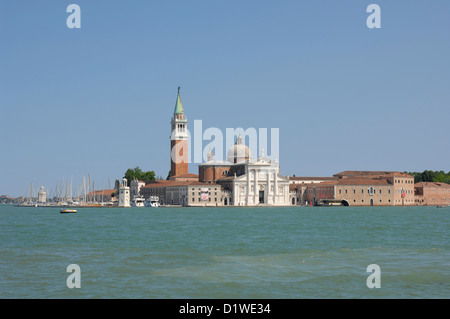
(67, 211)
(138, 202)
(152, 201)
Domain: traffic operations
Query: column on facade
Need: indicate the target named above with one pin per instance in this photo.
(248, 187)
(233, 193)
(256, 193)
(275, 188)
(266, 195)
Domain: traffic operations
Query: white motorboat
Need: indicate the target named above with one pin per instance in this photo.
(138, 201)
(152, 201)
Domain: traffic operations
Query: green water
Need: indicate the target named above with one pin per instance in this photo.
(292, 252)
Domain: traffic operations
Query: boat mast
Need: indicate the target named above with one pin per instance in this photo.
(84, 189)
(89, 192)
(65, 193)
(30, 194)
(71, 190)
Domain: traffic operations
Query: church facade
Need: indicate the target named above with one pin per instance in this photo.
(250, 182)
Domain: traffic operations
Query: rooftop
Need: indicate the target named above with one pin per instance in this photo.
(187, 175)
(166, 183)
(431, 184)
(107, 192)
(312, 178)
(372, 173)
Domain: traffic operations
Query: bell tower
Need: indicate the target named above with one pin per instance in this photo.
(179, 140)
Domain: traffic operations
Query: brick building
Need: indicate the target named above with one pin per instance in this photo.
(429, 193)
(354, 188)
(186, 193)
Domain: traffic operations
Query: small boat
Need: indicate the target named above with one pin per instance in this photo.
(67, 211)
(442, 206)
(152, 201)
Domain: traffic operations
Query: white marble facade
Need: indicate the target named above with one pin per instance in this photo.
(261, 185)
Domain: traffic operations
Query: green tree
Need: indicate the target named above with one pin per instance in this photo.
(137, 173)
(431, 176)
(148, 176)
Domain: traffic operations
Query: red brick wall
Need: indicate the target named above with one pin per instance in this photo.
(179, 152)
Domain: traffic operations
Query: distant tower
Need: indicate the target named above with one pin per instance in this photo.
(124, 194)
(42, 195)
(179, 141)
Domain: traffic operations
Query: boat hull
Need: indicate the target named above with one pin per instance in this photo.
(68, 211)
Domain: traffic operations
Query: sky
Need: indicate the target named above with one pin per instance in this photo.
(94, 101)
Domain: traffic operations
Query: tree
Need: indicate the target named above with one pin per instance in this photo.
(148, 176)
(168, 175)
(137, 173)
(431, 176)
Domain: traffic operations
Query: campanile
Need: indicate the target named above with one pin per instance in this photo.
(179, 140)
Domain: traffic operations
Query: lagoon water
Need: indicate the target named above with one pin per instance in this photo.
(275, 253)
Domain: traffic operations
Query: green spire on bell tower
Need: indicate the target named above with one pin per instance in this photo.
(178, 105)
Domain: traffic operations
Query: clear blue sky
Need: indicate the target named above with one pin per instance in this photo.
(99, 99)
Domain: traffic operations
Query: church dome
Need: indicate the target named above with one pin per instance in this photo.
(239, 152)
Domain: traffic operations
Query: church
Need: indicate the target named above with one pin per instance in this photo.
(240, 180)
(250, 181)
